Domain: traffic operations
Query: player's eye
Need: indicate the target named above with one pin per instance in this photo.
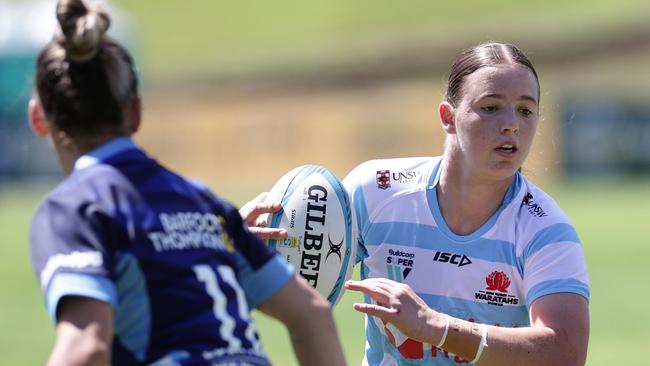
(489, 108)
(526, 111)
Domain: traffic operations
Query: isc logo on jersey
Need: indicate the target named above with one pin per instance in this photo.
(318, 217)
(399, 264)
(452, 258)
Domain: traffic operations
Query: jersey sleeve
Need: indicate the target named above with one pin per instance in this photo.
(554, 262)
(68, 251)
(354, 185)
(261, 272)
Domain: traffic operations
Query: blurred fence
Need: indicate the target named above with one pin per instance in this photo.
(606, 137)
(240, 141)
(25, 26)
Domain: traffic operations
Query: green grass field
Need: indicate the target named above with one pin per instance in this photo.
(610, 217)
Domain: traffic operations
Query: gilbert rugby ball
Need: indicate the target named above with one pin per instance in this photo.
(317, 214)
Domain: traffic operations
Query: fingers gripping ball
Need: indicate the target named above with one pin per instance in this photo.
(319, 219)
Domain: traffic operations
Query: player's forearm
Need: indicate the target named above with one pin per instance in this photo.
(84, 333)
(316, 341)
(538, 345)
(75, 348)
(73, 358)
(308, 318)
(528, 346)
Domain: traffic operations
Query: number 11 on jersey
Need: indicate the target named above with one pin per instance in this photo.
(210, 278)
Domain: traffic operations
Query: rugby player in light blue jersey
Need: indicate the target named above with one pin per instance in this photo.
(138, 265)
(464, 260)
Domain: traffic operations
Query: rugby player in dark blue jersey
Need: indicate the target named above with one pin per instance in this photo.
(138, 265)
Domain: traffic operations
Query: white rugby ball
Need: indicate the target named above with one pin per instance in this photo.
(320, 222)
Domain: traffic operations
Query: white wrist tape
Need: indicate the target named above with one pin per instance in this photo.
(482, 345)
(444, 334)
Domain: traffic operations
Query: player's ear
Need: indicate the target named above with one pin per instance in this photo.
(37, 120)
(447, 120)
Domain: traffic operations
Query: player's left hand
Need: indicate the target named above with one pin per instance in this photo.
(398, 304)
(254, 214)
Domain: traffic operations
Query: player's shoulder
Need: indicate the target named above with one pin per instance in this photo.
(97, 183)
(540, 217)
(71, 213)
(535, 203)
(391, 174)
(73, 190)
(79, 195)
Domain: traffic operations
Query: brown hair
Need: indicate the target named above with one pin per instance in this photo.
(483, 55)
(84, 79)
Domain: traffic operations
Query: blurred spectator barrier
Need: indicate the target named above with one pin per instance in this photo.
(606, 136)
(26, 26)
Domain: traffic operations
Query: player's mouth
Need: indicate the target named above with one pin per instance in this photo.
(507, 149)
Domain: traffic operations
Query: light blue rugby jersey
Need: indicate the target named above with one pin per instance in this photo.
(175, 262)
(526, 250)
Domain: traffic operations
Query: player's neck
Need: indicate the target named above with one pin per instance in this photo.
(467, 204)
(68, 150)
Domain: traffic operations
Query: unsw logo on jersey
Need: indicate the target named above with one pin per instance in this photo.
(496, 292)
(405, 177)
(533, 208)
(399, 264)
(383, 179)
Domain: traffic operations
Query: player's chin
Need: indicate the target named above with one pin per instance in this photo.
(505, 169)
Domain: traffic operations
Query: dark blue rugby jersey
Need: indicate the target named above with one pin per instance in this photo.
(176, 263)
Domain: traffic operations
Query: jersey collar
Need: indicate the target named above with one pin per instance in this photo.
(432, 197)
(103, 152)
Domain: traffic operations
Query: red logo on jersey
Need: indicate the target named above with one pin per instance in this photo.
(383, 179)
(497, 281)
(406, 346)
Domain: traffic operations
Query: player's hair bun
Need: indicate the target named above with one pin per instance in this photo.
(82, 28)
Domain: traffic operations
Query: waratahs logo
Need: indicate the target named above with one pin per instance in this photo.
(496, 292)
(498, 281)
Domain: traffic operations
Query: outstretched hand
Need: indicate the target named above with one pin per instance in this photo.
(398, 304)
(254, 214)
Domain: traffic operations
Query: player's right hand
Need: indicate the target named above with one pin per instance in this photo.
(255, 214)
